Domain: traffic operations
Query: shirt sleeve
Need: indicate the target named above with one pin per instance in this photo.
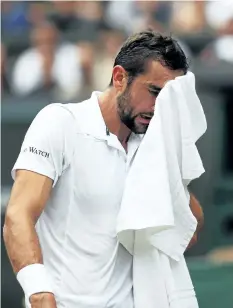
(46, 148)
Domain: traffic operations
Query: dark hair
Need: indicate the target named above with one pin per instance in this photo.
(149, 45)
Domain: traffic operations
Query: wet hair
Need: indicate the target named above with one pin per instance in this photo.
(148, 45)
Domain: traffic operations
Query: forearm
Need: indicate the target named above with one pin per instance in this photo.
(23, 249)
(197, 211)
(21, 241)
(28, 199)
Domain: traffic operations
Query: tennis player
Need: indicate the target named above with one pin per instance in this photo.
(60, 226)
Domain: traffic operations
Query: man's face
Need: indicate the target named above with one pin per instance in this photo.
(136, 102)
(44, 37)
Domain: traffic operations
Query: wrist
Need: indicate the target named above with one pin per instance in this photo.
(39, 297)
(35, 280)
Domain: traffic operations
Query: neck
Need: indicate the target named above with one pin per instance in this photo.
(108, 106)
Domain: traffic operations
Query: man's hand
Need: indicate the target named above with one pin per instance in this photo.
(198, 214)
(43, 300)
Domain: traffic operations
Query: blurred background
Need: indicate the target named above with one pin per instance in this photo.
(60, 51)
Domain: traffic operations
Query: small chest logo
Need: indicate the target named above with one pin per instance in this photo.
(36, 151)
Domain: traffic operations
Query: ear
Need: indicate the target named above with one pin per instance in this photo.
(119, 77)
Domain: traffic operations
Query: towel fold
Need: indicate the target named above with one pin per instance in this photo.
(155, 223)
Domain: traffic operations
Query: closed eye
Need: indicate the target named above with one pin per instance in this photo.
(155, 93)
(153, 89)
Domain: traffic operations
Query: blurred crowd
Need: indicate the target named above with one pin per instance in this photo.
(67, 48)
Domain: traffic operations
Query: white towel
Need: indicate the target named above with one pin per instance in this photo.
(155, 223)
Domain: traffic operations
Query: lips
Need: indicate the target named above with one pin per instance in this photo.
(143, 119)
(145, 116)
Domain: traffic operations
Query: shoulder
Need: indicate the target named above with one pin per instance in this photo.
(62, 115)
(67, 113)
(78, 110)
(56, 113)
(54, 119)
(59, 109)
(30, 55)
(69, 48)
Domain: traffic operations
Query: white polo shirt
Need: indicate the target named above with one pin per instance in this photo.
(77, 230)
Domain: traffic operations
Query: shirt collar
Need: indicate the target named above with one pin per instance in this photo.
(93, 123)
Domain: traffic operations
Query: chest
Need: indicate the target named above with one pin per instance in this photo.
(99, 174)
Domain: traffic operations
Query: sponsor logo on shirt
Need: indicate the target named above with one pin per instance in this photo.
(36, 151)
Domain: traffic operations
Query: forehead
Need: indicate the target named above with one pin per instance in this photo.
(158, 75)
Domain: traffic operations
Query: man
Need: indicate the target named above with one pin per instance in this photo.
(54, 66)
(69, 179)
